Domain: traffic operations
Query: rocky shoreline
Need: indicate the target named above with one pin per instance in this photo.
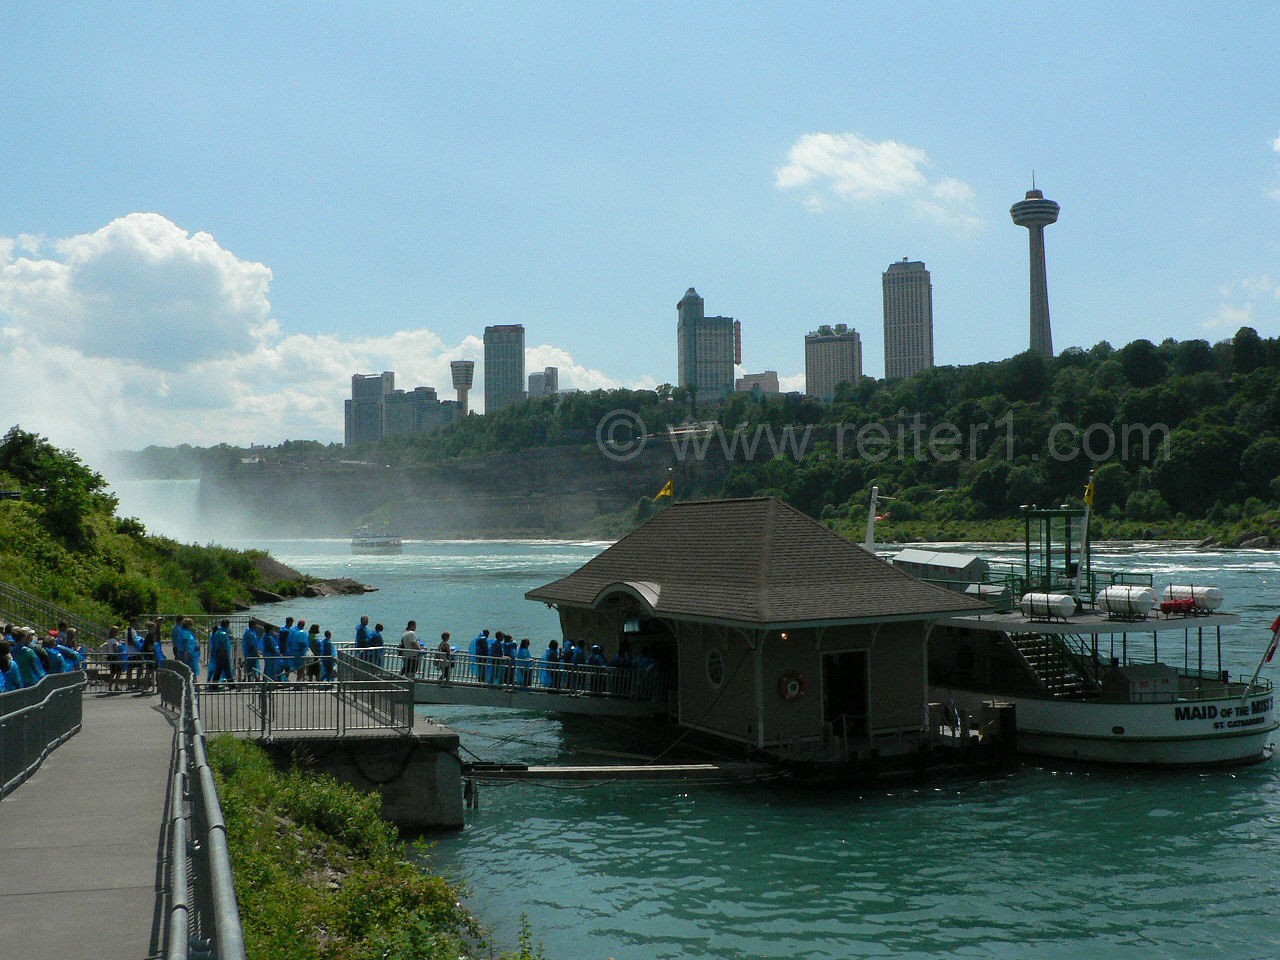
(273, 571)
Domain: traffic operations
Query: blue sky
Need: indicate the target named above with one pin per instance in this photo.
(216, 213)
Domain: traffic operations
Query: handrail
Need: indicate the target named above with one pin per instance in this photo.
(18, 605)
(35, 720)
(212, 914)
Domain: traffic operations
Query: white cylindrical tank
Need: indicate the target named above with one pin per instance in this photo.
(1202, 598)
(1120, 600)
(1042, 606)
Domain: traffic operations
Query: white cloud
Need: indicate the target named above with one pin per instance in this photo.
(142, 333)
(792, 384)
(831, 168)
(1275, 144)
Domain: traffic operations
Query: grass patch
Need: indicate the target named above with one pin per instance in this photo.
(319, 873)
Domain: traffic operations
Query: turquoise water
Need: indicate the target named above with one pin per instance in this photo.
(1045, 861)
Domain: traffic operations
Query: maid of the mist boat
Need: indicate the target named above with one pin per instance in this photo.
(1098, 667)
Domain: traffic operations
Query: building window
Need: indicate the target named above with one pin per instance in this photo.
(715, 668)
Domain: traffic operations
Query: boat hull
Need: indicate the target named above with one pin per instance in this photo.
(1179, 733)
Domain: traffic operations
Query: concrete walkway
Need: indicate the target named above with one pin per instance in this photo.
(82, 853)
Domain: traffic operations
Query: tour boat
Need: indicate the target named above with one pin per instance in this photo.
(367, 540)
(1098, 667)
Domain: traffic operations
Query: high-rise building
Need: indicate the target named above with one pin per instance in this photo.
(708, 348)
(908, 319)
(544, 384)
(832, 356)
(1035, 213)
(766, 382)
(377, 410)
(463, 373)
(363, 413)
(503, 366)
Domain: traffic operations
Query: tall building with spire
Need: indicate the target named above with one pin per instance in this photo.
(908, 319)
(503, 365)
(708, 348)
(1035, 213)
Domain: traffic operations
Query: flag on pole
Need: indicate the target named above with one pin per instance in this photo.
(1275, 639)
(1088, 494)
(668, 490)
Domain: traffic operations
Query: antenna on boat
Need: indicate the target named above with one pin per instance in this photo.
(1083, 562)
(869, 544)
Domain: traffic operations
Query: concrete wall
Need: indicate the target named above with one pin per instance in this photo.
(419, 777)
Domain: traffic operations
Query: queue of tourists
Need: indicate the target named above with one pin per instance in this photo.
(27, 658)
(298, 651)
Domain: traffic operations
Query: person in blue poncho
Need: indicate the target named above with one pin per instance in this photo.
(328, 657)
(362, 638)
(176, 643)
(480, 656)
(10, 676)
(375, 645)
(29, 666)
(189, 645)
(251, 648)
(220, 653)
(551, 666)
(296, 649)
(273, 662)
(524, 664)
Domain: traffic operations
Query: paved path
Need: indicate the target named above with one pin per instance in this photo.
(82, 857)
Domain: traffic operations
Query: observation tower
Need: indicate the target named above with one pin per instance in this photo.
(1035, 213)
(463, 372)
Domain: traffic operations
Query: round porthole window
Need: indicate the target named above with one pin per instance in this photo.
(715, 668)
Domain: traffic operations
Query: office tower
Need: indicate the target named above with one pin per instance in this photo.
(832, 356)
(463, 372)
(363, 413)
(908, 319)
(544, 384)
(766, 382)
(1035, 213)
(708, 348)
(503, 366)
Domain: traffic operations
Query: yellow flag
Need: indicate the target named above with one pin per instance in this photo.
(668, 490)
(1088, 494)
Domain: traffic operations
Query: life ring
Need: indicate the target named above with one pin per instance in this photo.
(792, 686)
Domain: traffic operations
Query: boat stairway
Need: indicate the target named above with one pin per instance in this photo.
(1051, 664)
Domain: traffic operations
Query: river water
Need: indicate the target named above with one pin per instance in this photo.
(1048, 860)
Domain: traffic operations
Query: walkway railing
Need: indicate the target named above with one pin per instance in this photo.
(363, 697)
(35, 720)
(464, 669)
(204, 920)
(18, 606)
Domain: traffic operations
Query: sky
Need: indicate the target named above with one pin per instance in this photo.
(214, 214)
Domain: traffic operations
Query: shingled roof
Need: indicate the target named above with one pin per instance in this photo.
(755, 562)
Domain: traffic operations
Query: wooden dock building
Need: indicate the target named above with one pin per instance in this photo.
(773, 631)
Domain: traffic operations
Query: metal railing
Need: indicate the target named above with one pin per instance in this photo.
(464, 669)
(204, 920)
(33, 721)
(18, 606)
(363, 697)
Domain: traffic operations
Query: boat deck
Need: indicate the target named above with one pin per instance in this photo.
(1087, 623)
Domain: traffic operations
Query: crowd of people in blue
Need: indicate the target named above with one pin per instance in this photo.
(24, 661)
(298, 652)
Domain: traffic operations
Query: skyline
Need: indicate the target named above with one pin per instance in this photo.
(206, 241)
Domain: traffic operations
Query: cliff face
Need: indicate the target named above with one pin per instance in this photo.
(546, 492)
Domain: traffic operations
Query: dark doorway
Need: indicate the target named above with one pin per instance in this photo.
(844, 692)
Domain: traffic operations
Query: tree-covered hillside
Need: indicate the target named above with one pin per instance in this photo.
(1184, 437)
(60, 539)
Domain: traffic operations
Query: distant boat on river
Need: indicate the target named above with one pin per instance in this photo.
(368, 540)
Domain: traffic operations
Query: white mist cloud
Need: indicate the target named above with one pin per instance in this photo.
(142, 333)
(834, 168)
